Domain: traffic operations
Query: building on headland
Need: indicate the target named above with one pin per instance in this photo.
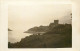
(56, 22)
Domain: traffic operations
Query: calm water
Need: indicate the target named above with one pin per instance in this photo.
(15, 36)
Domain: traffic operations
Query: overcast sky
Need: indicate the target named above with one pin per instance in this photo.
(23, 17)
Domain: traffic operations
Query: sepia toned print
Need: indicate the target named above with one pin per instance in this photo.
(40, 26)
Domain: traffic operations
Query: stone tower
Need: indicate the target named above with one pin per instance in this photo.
(56, 22)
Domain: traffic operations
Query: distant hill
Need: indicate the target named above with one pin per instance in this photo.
(9, 29)
(40, 29)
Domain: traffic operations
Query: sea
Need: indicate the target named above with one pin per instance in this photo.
(16, 36)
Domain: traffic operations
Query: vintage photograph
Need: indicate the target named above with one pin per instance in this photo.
(40, 26)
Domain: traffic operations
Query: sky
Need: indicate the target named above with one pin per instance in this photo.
(23, 17)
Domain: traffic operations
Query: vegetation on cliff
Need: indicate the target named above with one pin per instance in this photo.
(57, 37)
